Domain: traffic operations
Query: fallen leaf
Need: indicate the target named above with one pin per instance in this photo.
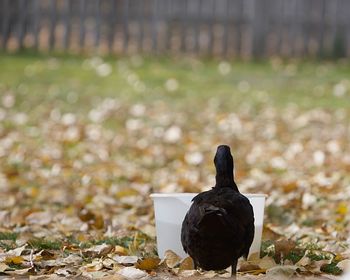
(39, 218)
(98, 251)
(120, 250)
(281, 272)
(344, 265)
(3, 267)
(16, 252)
(108, 263)
(248, 267)
(113, 277)
(14, 260)
(171, 259)
(133, 273)
(283, 247)
(186, 264)
(96, 265)
(148, 263)
(126, 259)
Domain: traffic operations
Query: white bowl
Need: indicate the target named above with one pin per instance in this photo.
(171, 208)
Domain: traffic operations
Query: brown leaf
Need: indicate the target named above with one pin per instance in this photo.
(283, 247)
(98, 251)
(245, 267)
(86, 215)
(148, 263)
(266, 262)
(98, 222)
(186, 264)
(113, 277)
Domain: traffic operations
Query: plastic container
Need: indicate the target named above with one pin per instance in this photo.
(171, 208)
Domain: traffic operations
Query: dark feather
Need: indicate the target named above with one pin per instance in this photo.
(219, 226)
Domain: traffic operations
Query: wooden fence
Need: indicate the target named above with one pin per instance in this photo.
(229, 28)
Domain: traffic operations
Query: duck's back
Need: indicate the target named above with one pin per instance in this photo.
(218, 228)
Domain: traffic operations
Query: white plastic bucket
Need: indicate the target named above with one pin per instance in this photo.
(171, 208)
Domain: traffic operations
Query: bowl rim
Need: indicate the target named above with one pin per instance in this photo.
(187, 194)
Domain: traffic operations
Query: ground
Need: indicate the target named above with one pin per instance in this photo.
(84, 141)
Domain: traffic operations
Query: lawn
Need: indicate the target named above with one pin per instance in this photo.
(85, 140)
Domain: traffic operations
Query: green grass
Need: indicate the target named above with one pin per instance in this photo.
(8, 236)
(43, 244)
(69, 83)
(7, 240)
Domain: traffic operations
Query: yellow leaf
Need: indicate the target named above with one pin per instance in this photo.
(82, 237)
(98, 222)
(342, 208)
(148, 263)
(120, 250)
(14, 260)
(126, 192)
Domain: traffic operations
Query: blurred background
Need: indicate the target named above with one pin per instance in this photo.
(232, 28)
(103, 102)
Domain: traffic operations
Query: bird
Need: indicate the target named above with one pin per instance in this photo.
(218, 228)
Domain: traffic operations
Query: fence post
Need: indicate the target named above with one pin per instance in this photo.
(141, 11)
(52, 25)
(154, 25)
(21, 22)
(36, 21)
(5, 23)
(184, 26)
(125, 25)
(67, 23)
(97, 23)
(239, 27)
(112, 20)
(259, 28)
(197, 29)
(321, 29)
(82, 14)
(211, 27)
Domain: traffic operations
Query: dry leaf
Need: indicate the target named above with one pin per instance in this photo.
(245, 267)
(16, 252)
(186, 264)
(113, 277)
(266, 262)
(171, 259)
(14, 260)
(132, 273)
(120, 250)
(283, 247)
(3, 267)
(344, 265)
(108, 263)
(281, 272)
(96, 265)
(39, 218)
(98, 251)
(148, 263)
(126, 259)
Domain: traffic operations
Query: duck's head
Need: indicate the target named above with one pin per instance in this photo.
(224, 167)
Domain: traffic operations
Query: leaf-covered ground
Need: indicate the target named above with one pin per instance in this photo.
(84, 141)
